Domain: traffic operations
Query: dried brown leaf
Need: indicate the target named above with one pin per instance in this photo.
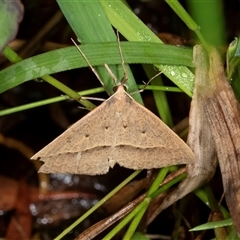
(20, 226)
(200, 140)
(222, 111)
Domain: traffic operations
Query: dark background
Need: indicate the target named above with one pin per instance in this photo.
(37, 127)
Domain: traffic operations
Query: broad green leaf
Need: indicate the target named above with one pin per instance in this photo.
(133, 29)
(90, 24)
(98, 54)
(11, 13)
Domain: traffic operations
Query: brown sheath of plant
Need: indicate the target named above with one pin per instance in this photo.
(223, 115)
(118, 131)
(200, 140)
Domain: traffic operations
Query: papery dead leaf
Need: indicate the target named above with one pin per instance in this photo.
(223, 114)
(200, 140)
(20, 225)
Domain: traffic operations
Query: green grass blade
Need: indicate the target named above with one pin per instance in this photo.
(210, 17)
(91, 25)
(159, 96)
(82, 93)
(127, 219)
(98, 54)
(133, 29)
(101, 202)
(47, 101)
(212, 225)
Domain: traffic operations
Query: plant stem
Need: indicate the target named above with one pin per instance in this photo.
(187, 19)
(12, 56)
(142, 205)
(101, 202)
(158, 180)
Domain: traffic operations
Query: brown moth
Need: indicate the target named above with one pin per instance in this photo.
(121, 131)
(118, 131)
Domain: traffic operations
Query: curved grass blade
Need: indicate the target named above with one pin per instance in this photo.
(98, 54)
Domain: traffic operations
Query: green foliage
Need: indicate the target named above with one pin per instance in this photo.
(11, 13)
(92, 23)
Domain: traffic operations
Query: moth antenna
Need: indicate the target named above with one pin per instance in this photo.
(89, 64)
(146, 84)
(125, 76)
(94, 98)
(111, 73)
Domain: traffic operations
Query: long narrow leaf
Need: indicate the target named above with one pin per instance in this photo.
(98, 54)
